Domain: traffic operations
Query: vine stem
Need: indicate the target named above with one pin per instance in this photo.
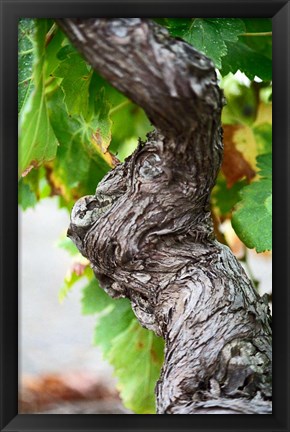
(120, 106)
(257, 34)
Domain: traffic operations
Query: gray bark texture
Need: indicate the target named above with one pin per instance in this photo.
(148, 232)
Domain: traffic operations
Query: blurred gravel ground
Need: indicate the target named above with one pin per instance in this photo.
(68, 393)
(91, 407)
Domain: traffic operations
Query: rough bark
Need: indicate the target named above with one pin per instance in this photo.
(148, 231)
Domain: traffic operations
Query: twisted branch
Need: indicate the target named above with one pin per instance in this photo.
(148, 231)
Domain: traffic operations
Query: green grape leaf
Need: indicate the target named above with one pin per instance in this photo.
(95, 299)
(225, 198)
(137, 356)
(252, 219)
(76, 77)
(82, 157)
(265, 165)
(26, 196)
(262, 42)
(258, 25)
(26, 28)
(242, 57)
(54, 42)
(132, 350)
(129, 122)
(32, 188)
(37, 141)
(208, 35)
(109, 325)
(252, 53)
(232, 43)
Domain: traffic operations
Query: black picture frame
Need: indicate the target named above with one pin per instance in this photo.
(11, 11)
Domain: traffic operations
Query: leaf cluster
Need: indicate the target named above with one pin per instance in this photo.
(68, 118)
(232, 43)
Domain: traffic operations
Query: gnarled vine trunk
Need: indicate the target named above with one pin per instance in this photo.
(148, 231)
